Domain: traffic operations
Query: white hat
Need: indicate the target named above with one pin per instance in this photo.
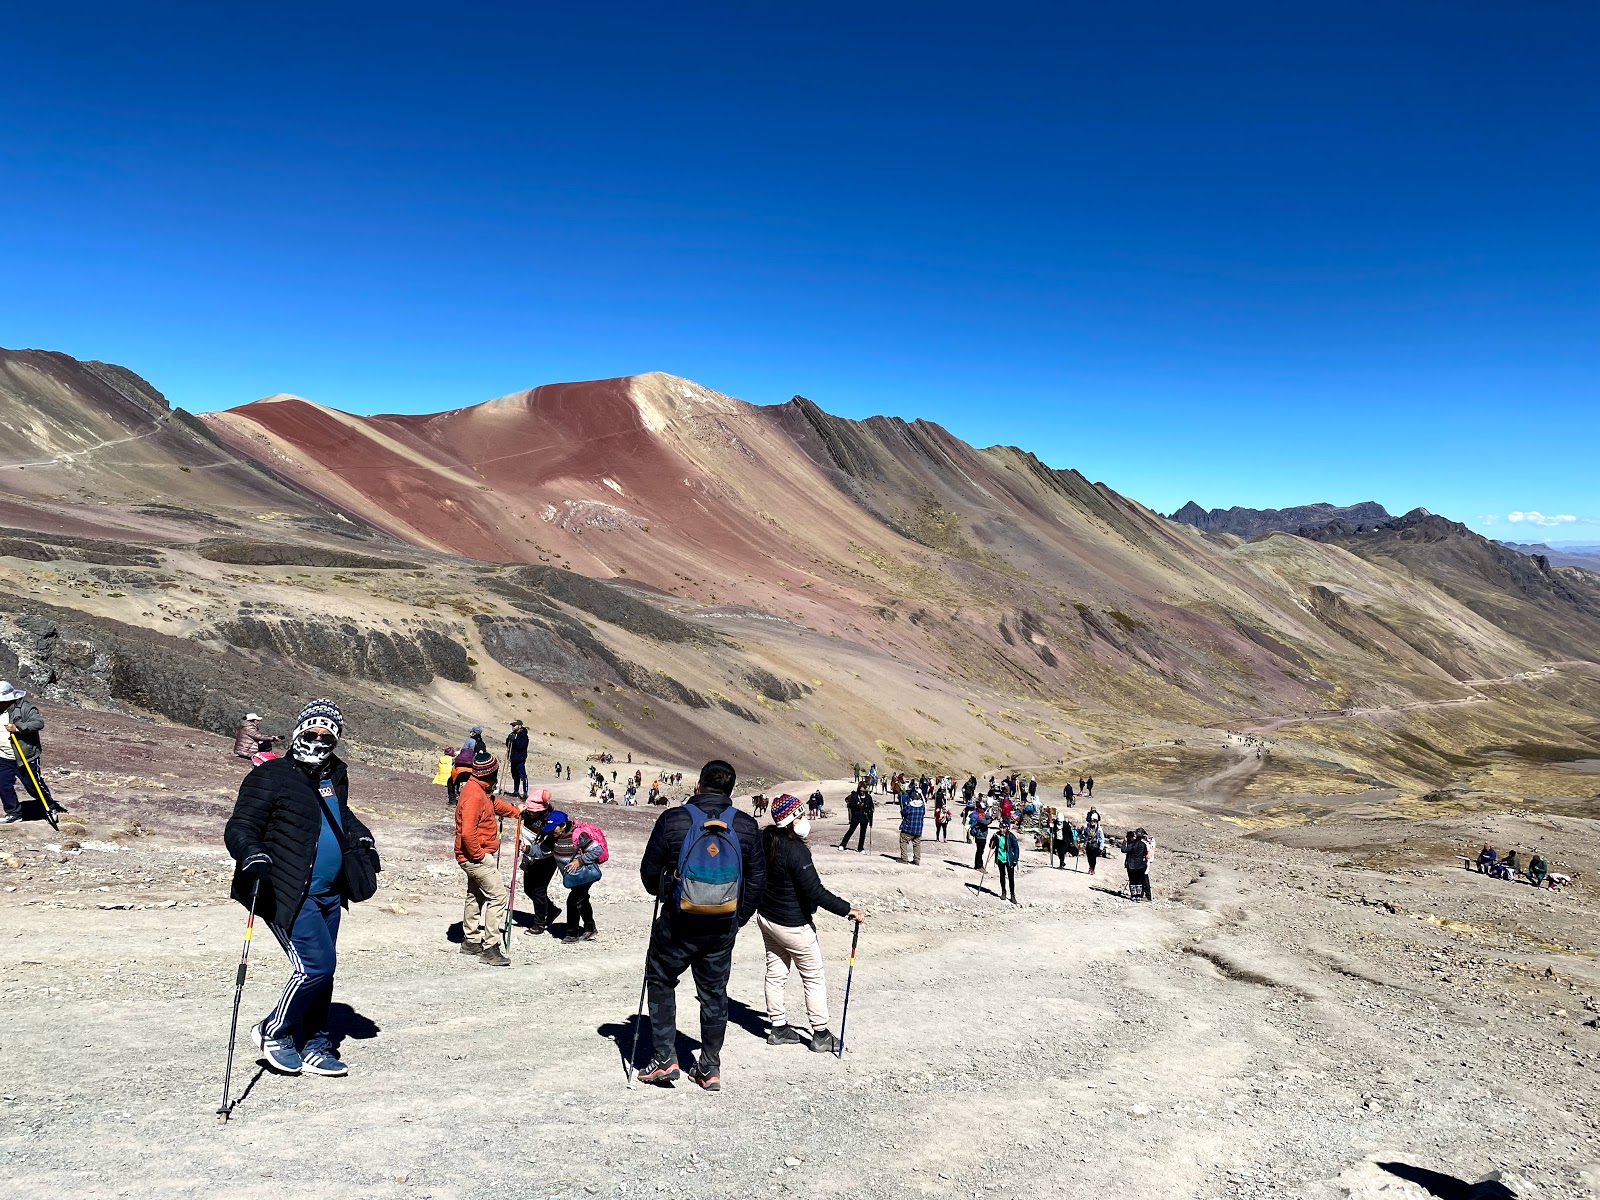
(252, 716)
(9, 693)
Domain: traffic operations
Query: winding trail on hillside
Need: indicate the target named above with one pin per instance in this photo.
(1266, 724)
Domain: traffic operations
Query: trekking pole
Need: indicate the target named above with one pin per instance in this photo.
(38, 791)
(511, 896)
(238, 994)
(844, 1013)
(638, 1017)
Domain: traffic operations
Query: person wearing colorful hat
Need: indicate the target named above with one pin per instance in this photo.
(296, 844)
(477, 844)
(793, 894)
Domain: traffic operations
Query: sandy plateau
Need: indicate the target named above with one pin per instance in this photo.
(1304, 1003)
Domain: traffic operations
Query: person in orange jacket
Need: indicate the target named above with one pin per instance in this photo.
(477, 843)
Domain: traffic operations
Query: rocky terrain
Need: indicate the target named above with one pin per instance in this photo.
(1320, 1003)
(1314, 724)
(1587, 557)
(1252, 522)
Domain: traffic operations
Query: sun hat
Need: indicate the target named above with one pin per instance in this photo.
(250, 716)
(9, 693)
(784, 809)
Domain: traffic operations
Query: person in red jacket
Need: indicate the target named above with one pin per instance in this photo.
(477, 842)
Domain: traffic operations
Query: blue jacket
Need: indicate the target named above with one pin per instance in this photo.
(913, 811)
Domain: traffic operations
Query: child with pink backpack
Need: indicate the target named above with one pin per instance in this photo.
(578, 848)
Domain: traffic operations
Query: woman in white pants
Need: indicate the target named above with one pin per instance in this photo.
(792, 896)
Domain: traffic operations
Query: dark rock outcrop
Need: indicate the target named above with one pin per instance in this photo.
(1252, 522)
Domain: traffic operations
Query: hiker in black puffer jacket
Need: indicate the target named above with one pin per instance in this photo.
(788, 905)
(304, 856)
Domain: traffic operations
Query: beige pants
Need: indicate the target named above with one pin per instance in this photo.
(912, 845)
(794, 946)
(485, 914)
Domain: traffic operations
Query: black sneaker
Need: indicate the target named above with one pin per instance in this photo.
(710, 1078)
(660, 1072)
(823, 1042)
(787, 1035)
(572, 939)
(11, 819)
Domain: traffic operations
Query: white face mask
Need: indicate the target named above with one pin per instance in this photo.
(802, 827)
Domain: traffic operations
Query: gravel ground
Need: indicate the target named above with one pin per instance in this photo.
(1298, 1007)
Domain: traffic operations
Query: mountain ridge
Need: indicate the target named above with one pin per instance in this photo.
(876, 589)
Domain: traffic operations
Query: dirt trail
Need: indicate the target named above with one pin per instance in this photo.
(1259, 1031)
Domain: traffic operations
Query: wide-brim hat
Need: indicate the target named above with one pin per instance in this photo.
(9, 693)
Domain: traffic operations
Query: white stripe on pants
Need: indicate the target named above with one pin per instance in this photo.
(794, 946)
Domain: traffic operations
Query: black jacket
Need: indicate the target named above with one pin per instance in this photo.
(517, 746)
(860, 805)
(278, 813)
(794, 890)
(661, 852)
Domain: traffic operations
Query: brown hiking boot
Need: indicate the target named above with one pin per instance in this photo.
(494, 956)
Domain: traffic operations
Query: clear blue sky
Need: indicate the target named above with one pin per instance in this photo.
(1260, 254)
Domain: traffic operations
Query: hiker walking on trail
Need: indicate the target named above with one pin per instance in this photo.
(978, 830)
(1136, 858)
(705, 865)
(1094, 840)
(517, 759)
(1088, 786)
(814, 805)
(913, 812)
(477, 843)
(941, 816)
(301, 856)
(786, 918)
(1006, 851)
(859, 805)
(23, 724)
(577, 851)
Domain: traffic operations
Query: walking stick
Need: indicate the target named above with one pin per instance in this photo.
(638, 1017)
(238, 994)
(511, 896)
(844, 1013)
(38, 791)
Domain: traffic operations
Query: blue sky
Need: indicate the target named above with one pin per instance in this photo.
(1242, 254)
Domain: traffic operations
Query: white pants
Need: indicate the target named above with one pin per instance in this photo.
(794, 946)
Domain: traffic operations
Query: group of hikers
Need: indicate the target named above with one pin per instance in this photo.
(991, 823)
(301, 856)
(1508, 867)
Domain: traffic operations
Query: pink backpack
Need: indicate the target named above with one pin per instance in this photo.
(594, 834)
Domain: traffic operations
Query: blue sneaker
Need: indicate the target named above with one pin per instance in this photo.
(320, 1059)
(279, 1053)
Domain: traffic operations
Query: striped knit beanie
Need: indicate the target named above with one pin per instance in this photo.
(784, 809)
(321, 714)
(485, 766)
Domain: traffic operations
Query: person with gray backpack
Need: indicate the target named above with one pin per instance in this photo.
(705, 865)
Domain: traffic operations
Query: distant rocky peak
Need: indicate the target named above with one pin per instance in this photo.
(1252, 522)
